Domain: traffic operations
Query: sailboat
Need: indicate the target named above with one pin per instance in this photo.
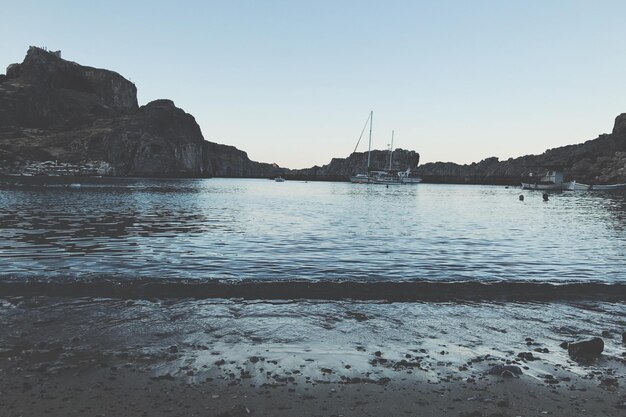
(364, 178)
(387, 177)
(371, 176)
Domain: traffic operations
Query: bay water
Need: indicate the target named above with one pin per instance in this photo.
(242, 229)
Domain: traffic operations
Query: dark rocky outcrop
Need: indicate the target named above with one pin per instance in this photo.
(589, 347)
(55, 110)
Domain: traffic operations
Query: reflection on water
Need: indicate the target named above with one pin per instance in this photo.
(260, 229)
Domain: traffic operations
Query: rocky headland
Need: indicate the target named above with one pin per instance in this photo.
(61, 118)
(340, 169)
(598, 161)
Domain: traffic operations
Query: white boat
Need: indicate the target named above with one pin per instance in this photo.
(279, 179)
(607, 187)
(553, 180)
(599, 187)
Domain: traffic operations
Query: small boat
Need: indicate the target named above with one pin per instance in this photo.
(279, 179)
(607, 187)
(553, 181)
(598, 187)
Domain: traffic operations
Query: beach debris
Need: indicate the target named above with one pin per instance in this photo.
(545, 196)
(593, 346)
(505, 370)
(521, 197)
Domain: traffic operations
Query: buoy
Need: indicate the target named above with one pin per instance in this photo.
(521, 197)
(545, 196)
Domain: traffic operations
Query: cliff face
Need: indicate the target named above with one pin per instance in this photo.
(598, 161)
(55, 110)
(340, 169)
(46, 91)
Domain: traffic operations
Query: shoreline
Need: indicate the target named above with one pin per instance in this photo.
(166, 357)
(313, 290)
(286, 176)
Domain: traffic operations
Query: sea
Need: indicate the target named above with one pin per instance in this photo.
(343, 237)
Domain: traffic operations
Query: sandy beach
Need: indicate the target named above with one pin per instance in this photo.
(186, 357)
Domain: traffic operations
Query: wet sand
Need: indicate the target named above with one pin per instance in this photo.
(183, 357)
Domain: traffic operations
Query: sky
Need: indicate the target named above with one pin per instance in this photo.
(293, 82)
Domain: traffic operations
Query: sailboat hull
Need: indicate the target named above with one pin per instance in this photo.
(411, 180)
(359, 179)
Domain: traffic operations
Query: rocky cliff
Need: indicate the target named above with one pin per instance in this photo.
(55, 110)
(598, 161)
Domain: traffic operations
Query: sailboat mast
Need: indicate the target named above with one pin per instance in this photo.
(369, 150)
(391, 150)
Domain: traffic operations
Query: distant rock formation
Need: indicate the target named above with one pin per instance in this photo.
(340, 169)
(55, 110)
(57, 117)
(598, 161)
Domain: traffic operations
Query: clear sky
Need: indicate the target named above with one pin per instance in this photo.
(292, 82)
